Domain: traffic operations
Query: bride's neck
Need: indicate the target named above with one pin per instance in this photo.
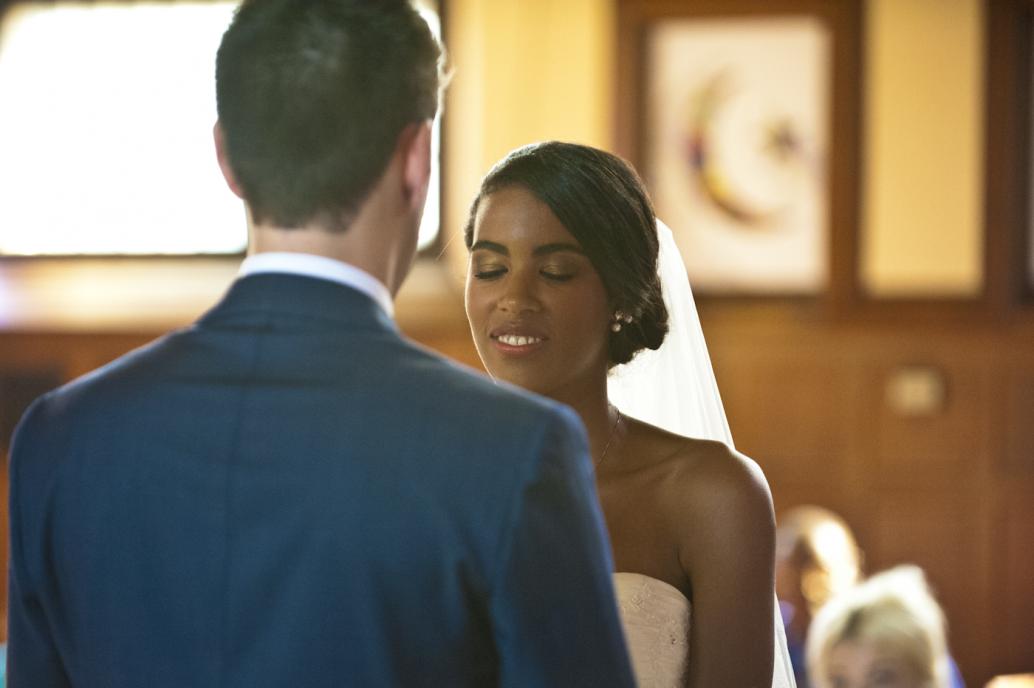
(592, 406)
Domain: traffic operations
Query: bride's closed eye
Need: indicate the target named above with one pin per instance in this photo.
(557, 275)
(561, 267)
(492, 273)
(490, 270)
(487, 266)
(488, 273)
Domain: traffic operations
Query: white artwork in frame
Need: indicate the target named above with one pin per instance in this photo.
(736, 140)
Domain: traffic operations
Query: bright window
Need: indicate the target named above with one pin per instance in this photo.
(106, 114)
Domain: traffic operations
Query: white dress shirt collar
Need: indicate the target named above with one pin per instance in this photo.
(320, 267)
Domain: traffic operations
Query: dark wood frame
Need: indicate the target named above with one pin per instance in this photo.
(844, 20)
(1009, 161)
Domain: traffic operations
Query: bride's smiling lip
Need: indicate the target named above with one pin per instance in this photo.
(517, 338)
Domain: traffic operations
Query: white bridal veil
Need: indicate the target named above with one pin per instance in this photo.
(674, 388)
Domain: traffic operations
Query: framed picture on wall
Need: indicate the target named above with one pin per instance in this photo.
(730, 112)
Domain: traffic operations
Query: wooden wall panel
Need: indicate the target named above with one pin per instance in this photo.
(1018, 432)
(804, 401)
(940, 533)
(941, 448)
(1013, 579)
(18, 388)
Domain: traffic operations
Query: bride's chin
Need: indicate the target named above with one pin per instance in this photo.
(523, 378)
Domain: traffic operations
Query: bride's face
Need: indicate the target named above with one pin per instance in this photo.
(537, 308)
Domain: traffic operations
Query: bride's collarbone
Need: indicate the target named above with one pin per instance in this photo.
(650, 453)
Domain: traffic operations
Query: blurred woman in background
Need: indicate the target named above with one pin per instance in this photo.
(817, 558)
(888, 632)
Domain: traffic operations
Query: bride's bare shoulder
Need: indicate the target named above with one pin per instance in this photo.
(705, 478)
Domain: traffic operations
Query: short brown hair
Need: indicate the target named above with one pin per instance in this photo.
(312, 96)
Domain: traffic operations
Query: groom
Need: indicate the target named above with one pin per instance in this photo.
(290, 493)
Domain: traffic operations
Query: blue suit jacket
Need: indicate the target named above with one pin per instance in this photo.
(289, 493)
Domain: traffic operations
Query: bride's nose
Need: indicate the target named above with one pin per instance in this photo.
(519, 297)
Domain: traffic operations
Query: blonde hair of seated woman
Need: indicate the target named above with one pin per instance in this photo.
(888, 631)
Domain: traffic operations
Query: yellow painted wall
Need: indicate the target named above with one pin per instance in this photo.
(922, 200)
(524, 71)
(527, 70)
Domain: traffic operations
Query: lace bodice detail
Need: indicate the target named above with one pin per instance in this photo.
(656, 617)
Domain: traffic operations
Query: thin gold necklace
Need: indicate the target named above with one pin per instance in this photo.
(610, 439)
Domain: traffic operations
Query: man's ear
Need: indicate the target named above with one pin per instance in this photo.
(224, 161)
(416, 163)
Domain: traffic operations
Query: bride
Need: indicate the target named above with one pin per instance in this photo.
(563, 290)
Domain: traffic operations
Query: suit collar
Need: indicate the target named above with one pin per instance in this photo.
(298, 302)
(323, 267)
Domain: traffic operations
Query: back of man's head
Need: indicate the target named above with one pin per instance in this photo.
(312, 96)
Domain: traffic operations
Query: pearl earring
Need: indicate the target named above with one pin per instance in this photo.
(619, 317)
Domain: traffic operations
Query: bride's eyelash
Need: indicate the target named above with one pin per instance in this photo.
(493, 273)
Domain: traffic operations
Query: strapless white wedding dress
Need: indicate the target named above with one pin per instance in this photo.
(656, 618)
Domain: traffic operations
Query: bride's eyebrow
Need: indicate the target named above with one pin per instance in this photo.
(490, 246)
(547, 249)
(543, 250)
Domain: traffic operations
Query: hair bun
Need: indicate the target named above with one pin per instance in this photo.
(655, 324)
(647, 331)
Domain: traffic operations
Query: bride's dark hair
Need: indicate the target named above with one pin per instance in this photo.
(601, 201)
